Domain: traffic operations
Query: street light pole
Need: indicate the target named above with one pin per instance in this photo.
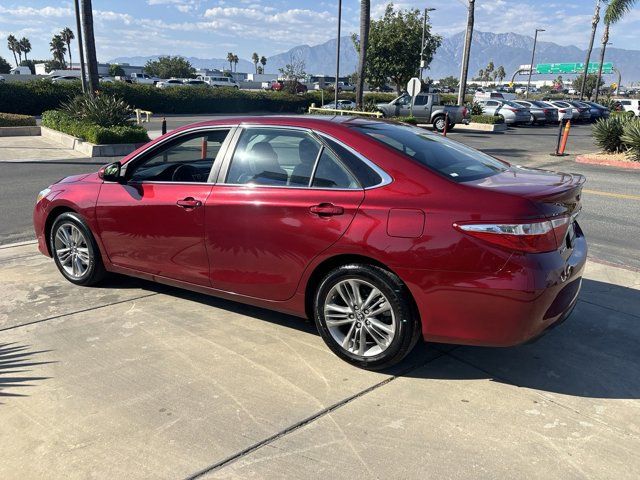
(335, 85)
(465, 54)
(422, 45)
(533, 54)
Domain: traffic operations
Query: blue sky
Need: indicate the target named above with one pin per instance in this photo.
(211, 28)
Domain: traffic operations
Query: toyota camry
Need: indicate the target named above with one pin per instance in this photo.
(382, 233)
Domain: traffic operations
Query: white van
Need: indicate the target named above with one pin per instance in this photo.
(219, 81)
(479, 96)
(629, 105)
(20, 71)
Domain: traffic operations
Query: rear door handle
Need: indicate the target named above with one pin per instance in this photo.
(326, 209)
(188, 203)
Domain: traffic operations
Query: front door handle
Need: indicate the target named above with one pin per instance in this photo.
(188, 203)
(326, 209)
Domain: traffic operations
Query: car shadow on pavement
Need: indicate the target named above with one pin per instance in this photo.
(595, 353)
(15, 365)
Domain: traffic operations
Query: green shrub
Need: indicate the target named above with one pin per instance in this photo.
(631, 138)
(36, 96)
(475, 108)
(489, 119)
(410, 120)
(13, 120)
(63, 122)
(103, 110)
(607, 133)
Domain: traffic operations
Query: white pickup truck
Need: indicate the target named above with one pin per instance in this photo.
(143, 79)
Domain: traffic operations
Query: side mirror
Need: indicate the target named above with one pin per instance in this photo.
(111, 172)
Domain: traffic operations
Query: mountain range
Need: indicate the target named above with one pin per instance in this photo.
(507, 49)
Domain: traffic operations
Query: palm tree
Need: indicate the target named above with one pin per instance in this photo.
(255, 58)
(12, 44)
(19, 50)
(614, 13)
(235, 61)
(25, 46)
(67, 35)
(263, 62)
(365, 21)
(594, 26)
(58, 48)
(89, 46)
(500, 73)
(230, 60)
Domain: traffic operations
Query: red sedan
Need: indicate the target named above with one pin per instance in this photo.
(380, 232)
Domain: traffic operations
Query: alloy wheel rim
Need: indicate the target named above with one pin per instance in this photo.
(440, 124)
(72, 250)
(359, 317)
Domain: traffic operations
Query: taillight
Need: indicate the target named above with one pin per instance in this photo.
(464, 111)
(534, 237)
(563, 111)
(514, 110)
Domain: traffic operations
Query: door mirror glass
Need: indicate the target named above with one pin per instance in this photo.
(111, 172)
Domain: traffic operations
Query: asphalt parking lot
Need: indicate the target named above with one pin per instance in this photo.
(138, 380)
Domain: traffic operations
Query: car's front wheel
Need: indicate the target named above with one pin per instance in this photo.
(75, 251)
(365, 316)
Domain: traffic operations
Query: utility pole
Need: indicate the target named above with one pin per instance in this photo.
(83, 71)
(422, 45)
(465, 54)
(533, 54)
(594, 26)
(90, 46)
(335, 85)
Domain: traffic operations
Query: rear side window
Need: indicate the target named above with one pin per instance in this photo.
(451, 159)
(366, 175)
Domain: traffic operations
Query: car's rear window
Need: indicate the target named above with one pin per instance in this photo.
(446, 157)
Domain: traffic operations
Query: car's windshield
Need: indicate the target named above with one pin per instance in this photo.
(512, 104)
(451, 159)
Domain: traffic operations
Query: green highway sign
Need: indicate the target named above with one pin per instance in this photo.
(568, 68)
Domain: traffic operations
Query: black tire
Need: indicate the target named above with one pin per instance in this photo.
(407, 324)
(95, 270)
(438, 123)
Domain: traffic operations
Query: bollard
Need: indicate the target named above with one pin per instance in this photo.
(446, 123)
(164, 125)
(565, 137)
(557, 151)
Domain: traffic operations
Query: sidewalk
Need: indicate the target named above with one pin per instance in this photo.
(34, 148)
(137, 380)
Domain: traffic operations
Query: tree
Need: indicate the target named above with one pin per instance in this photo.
(263, 62)
(235, 61)
(614, 13)
(500, 73)
(590, 84)
(365, 21)
(5, 67)
(594, 26)
(13, 46)
(481, 75)
(230, 60)
(25, 47)
(89, 46)
(449, 82)
(58, 48)
(116, 71)
(292, 73)
(168, 66)
(255, 59)
(394, 47)
(67, 35)
(50, 65)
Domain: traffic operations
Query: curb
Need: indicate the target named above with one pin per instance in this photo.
(23, 131)
(18, 244)
(89, 149)
(609, 163)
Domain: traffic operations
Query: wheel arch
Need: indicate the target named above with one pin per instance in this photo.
(344, 259)
(51, 217)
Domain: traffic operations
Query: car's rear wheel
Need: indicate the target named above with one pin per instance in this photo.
(365, 315)
(439, 123)
(75, 251)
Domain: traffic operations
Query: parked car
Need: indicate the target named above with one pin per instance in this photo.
(427, 108)
(482, 95)
(345, 87)
(143, 79)
(219, 81)
(384, 89)
(342, 105)
(629, 105)
(598, 111)
(170, 83)
(512, 113)
(523, 90)
(570, 112)
(541, 114)
(279, 85)
(65, 78)
(106, 80)
(583, 109)
(194, 82)
(573, 91)
(420, 236)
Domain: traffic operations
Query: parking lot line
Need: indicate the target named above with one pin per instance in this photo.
(610, 194)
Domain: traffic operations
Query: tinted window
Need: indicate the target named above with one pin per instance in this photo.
(366, 175)
(186, 159)
(331, 174)
(451, 159)
(540, 104)
(421, 100)
(492, 103)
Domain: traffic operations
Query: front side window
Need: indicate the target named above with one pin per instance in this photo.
(286, 157)
(448, 158)
(186, 159)
(421, 100)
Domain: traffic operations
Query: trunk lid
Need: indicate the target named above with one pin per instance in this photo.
(553, 193)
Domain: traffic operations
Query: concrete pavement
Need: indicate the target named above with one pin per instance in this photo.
(136, 380)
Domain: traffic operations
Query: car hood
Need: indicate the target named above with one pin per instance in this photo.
(79, 178)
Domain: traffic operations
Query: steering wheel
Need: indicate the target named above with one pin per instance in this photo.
(185, 173)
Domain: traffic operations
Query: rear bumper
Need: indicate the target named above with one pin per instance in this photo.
(529, 295)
